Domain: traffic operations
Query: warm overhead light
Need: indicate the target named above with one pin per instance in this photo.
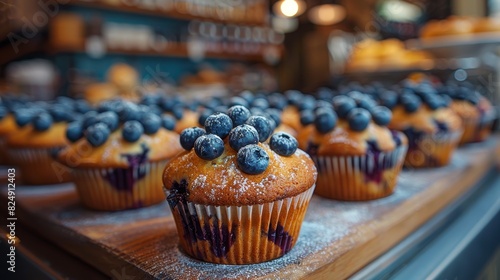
(289, 8)
(326, 14)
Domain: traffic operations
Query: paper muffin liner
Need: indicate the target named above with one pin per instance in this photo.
(432, 150)
(239, 234)
(113, 189)
(38, 165)
(359, 178)
(476, 130)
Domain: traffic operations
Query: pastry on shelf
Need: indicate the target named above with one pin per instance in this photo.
(357, 156)
(235, 198)
(370, 55)
(460, 27)
(117, 156)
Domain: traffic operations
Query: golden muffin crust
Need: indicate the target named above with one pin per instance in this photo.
(291, 117)
(28, 137)
(424, 119)
(159, 146)
(469, 111)
(189, 119)
(344, 141)
(220, 182)
(8, 125)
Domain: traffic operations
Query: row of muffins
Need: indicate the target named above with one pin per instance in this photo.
(234, 176)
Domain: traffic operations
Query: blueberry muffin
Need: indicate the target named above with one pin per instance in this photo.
(475, 110)
(235, 198)
(40, 136)
(117, 156)
(357, 156)
(433, 129)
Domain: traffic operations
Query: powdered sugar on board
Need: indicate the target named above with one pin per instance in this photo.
(330, 229)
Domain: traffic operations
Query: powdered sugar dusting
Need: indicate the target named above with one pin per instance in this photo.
(330, 228)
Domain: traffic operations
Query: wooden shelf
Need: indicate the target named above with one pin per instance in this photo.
(160, 13)
(175, 50)
(336, 240)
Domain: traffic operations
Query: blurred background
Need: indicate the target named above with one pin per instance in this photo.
(202, 47)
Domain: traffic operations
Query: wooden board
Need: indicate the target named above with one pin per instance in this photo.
(336, 240)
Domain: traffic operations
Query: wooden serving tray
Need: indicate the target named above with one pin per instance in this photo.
(336, 239)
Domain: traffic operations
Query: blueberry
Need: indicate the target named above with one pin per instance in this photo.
(155, 109)
(275, 115)
(446, 100)
(306, 117)
(168, 103)
(189, 135)
(109, 105)
(209, 146)
(236, 100)
(23, 117)
(247, 95)
(277, 101)
(262, 125)
(151, 123)
(381, 115)
(260, 103)
(132, 131)
(204, 115)
(283, 144)
(294, 97)
(388, 99)
(42, 122)
(410, 102)
(325, 120)
(97, 134)
(219, 124)
(365, 102)
(220, 109)
(213, 103)
(359, 119)
(89, 118)
(252, 159)
(308, 102)
(325, 94)
(60, 112)
(110, 119)
(178, 112)
(128, 111)
(343, 104)
(82, 106)
(151, 99)
(168, 122)
(322, 104)
(243, 135)
(74, 131)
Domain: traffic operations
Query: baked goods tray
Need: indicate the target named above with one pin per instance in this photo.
(457, 46)
(336, 239)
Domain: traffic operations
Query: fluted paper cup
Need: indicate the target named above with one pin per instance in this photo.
(113, 189)
(38, 165)
(432, 150)
(239, 234)
(366, 177)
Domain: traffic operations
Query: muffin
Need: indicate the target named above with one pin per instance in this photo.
(236, 199)
(475, 110)
(357, 156)
(117, 157)
(40, 135)
(433, 129)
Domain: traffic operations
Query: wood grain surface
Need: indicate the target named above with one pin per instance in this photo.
(336, 240)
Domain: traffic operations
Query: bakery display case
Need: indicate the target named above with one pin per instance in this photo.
(192, 139)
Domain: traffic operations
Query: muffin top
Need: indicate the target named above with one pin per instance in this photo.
(116, 152)
(42, 124)
(231, 162)
(418, 106)
(468, 103)
(7, 125)
(119, 131)
(352, 125)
